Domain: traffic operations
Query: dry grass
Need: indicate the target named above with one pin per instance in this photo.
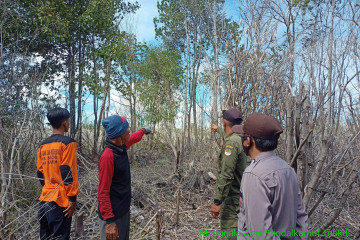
(155, 193)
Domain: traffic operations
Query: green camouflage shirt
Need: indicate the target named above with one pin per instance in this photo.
(231, 165)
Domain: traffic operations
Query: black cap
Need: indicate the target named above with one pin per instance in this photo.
(260, 126)
(233, 115)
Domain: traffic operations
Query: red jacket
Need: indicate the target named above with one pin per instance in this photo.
(114, 192)
(134, 138)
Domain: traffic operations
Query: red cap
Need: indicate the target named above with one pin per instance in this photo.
(260, 126)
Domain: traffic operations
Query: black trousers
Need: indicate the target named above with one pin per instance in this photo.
(53, 223)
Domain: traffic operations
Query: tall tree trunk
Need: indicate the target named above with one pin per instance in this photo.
(3, 194)
(71, 76)
(307, 150)
(106, 112)
(327, 121)
(81, 71)
(189, 122)
(194, 83)
(132, 100)
(101, 114)
(106, 92)
(290, 32)
(95, 103)
(289, 128)
(108, 96)
(187, 56)
(3, 170)
(214, 84)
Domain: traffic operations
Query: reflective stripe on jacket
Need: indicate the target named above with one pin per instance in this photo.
(57, 170)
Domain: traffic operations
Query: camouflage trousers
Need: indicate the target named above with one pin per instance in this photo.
(228, 215)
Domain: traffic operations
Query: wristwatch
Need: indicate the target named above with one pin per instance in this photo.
(217, 202)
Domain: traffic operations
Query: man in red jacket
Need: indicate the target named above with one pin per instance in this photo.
(114, 192)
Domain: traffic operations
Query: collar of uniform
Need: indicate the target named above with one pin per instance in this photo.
(112, 145)
(264, 155)
(228, 135)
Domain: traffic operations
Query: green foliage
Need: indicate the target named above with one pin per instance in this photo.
(161, 76)
(63, 21)
(305, 5)
(170, 24)
(188, 27)
(59, 29)
(126, 64)
(195, 14)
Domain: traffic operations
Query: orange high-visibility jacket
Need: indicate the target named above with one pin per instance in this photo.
(57, 170)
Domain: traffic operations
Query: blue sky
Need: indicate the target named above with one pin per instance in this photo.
(143, 18)
(142, 25)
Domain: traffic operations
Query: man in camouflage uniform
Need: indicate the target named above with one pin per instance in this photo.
(231, 165)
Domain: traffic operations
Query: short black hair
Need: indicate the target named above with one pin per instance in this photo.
(57, 116)
(266, 145)
(231, 124)
(234, 122)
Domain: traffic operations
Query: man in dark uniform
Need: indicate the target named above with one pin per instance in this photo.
(231, 164)
(271, 199)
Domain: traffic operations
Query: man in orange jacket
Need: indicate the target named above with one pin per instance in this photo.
(57, 171)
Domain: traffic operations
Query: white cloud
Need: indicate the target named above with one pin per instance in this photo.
(118, 104)
(48, 93)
